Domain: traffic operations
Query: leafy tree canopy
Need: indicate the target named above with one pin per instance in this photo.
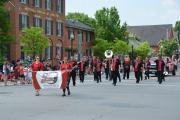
(143, 50)
(82, 18)
(168, 47)
(34, 41)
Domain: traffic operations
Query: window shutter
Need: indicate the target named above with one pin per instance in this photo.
(40, 2)
(34, 21)
(51, 5)
(20, 22)
(27, 21)
(56, 28)
(28, 2)
(51, 52)
(62, 29)
(61, 52)
(62, 6)
(56, 5)
(51, 27)
(45, 26)
(40, 22)
(45, 4)
(34, 3)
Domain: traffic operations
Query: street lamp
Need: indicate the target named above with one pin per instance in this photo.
(72, 38)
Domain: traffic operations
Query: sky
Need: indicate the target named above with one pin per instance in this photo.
(134, 12)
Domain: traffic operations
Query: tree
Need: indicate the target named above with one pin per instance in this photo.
(177, 28)
(108, 25)
(34, 41)
(120, 47)
(82, 18)
(168, 47)
(100, 47)
(143, 50)
(5, 37)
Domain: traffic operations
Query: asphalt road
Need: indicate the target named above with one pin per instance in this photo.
(91, 101)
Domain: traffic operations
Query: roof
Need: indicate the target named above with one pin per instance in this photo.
(78, 25)
(152, 33)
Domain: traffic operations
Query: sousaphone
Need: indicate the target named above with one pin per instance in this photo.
(108, 53)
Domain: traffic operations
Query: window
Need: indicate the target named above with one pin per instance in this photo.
(59, 28)
(48, 52)
(59, 6)
(48, 4)
(37, 22)
(48, 27)
(24, 1)
(37, 3)
(23, 21)
(88, 36)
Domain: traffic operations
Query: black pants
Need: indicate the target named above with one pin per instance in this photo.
(73, 76)
(141, 75)
(147, 74)
(81, 76)
(119, 76)
(98, 77)
(160, 76)
(114, 77)
(107, 73)
(137, 75)
(126, 73)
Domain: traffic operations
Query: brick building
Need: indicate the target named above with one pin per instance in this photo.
(50, 15)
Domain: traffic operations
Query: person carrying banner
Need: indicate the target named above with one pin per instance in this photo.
(65, 68)
(36, 66)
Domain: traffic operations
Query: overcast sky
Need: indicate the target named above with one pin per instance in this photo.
(134, 12)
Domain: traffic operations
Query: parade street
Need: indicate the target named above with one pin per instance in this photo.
(91, 101)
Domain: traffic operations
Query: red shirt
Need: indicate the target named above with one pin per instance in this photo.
(159, 65)
(37, 66)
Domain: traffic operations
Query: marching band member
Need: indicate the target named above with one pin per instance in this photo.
(126, 65)
(65, 68)
(94, 64)
(147, 67)
(115, 69)
(36, 66)
(73, 64)
(82, 67)
(99, 66)
(137, 68)
(160, 68)
(106, 68)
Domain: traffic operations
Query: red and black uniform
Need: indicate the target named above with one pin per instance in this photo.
(99, 67)
(147, 67)
(65, 70)
(36, 66)
(137, 70)
(106, 68)
(82, 67)
(115, 70)
(94, 67)
(73, 72)
(160, 69)
(126, 67)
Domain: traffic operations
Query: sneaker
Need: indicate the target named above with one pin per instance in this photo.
(63, 94)
(37, 94)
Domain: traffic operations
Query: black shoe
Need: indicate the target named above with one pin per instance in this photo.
(37, 94)
(63, 94)
(69, 93)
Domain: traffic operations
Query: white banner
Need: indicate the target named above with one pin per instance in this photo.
(49, 79)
